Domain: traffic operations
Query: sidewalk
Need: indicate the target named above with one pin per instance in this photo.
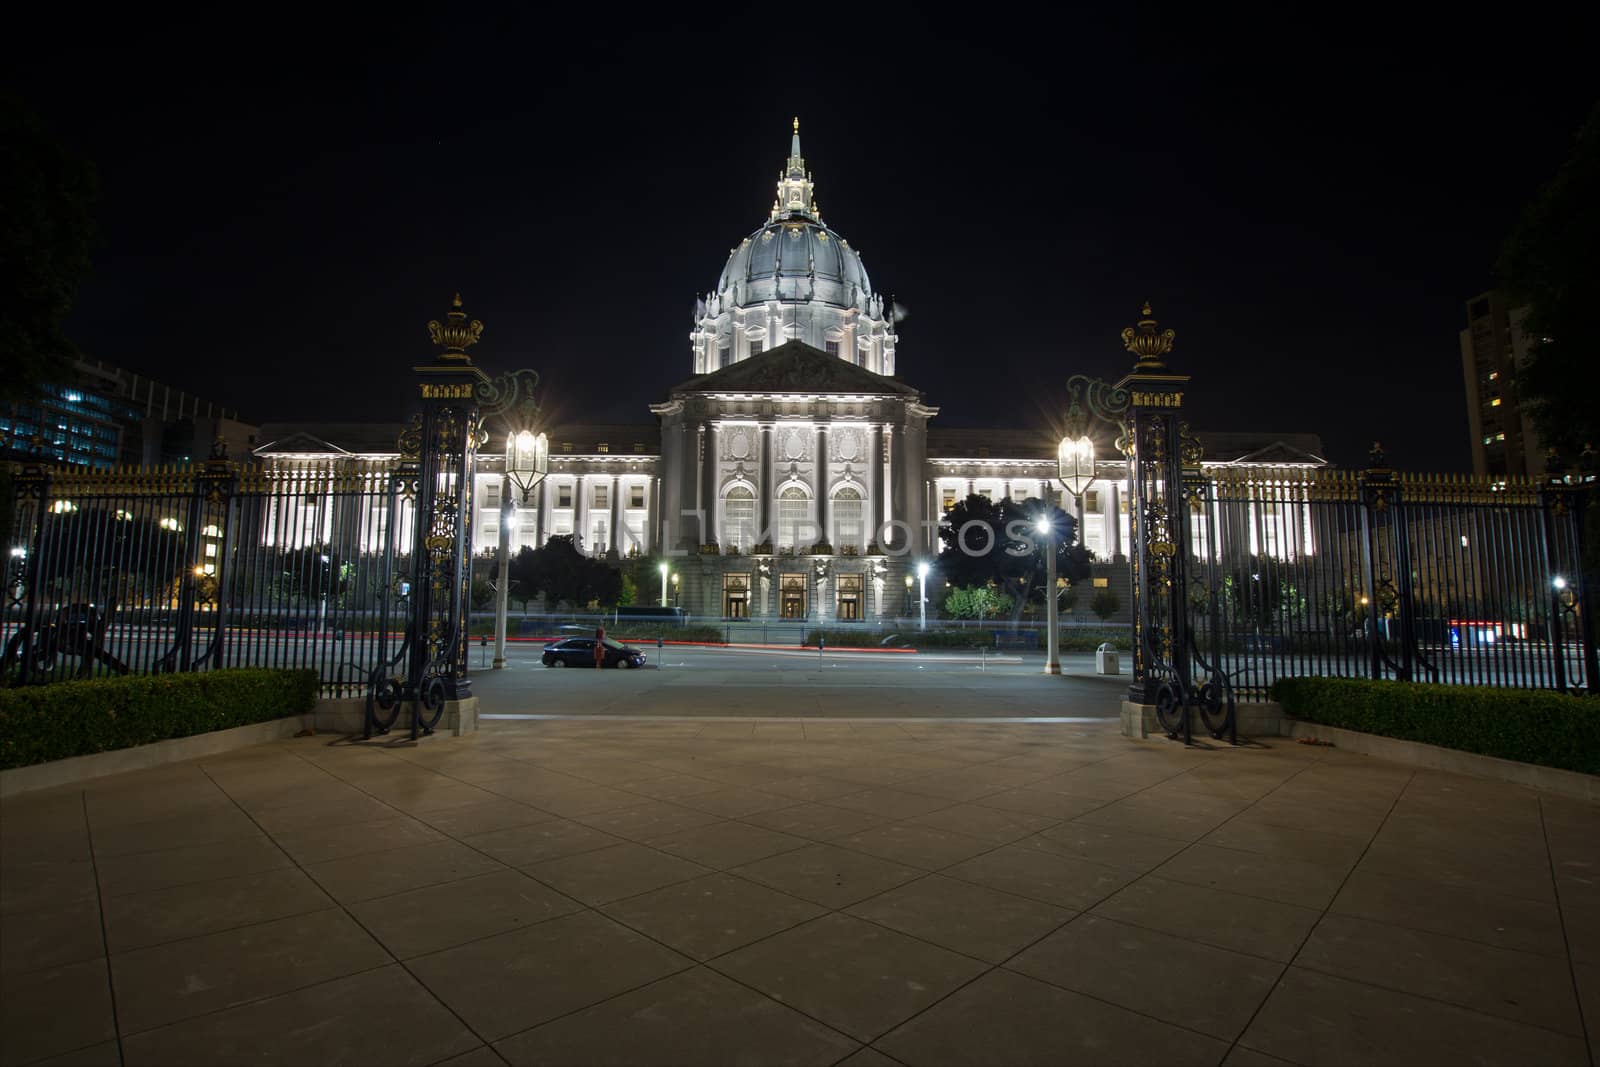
(776, 891)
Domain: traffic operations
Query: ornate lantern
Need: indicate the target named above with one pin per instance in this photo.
(527, 460)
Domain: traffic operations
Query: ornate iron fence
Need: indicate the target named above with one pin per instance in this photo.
(205, 566)
(1380, 574)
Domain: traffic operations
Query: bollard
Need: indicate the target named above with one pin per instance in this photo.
(660, 661)
(483, 645)
(821, 644)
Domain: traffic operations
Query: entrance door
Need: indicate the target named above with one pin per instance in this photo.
(792, 602)
(850, 587)
(736, 596)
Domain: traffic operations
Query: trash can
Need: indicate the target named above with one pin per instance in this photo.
(1105, 660)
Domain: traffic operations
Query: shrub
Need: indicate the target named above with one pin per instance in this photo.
(1529, 725)
(51, 722)
(1105, 603)
(640, 630)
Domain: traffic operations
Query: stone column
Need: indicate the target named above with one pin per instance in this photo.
(885, 472)
(1114, 519)
(700, 482)
(872, 512)
(714, 488)
(616, 513)
(892, 504)
(904, 489)
(652, 514)
(766, 484)
(824, 504)
(580, 514)
(541, 514)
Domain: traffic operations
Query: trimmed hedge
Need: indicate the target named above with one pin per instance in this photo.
(1529, 725)
(51, 722)
(1073, 639)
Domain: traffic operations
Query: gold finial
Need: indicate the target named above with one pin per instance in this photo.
(1147, 344)
(457, 303)
(456, 334)
(797, 124)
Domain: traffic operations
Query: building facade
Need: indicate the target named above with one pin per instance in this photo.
(1494, 349)
(794, 474)
(101, 417)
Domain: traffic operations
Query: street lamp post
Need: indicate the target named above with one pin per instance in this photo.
(1045, 525)
(527, 463)
(664, 568)
(922, 599)
(909, 583)
(1075, 471)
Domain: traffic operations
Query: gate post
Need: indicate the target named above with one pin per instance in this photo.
(32, 489)
(1561, 502)
(215, 487)
(445, 440)
(1156, 476)
(1377, 494)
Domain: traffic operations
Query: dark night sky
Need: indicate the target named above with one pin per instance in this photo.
(1309, 205)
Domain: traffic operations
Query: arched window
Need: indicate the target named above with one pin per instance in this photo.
(848, 533)
(739, 518)
(794, 517)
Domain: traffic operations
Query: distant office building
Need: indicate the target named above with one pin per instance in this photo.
(103, 417)
(1494, 349)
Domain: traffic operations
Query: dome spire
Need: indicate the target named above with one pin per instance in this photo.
(795, 188)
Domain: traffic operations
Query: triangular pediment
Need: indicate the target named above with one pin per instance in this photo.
(795, 367)
(296, 443)
(1280, 452)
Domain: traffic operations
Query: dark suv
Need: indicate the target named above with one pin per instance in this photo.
(579, 652)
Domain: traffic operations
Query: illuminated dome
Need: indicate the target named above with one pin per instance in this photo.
(793, 279)
(796, 258)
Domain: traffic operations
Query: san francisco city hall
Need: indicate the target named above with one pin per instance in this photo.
(794, 474)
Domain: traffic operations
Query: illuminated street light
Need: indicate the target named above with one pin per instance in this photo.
(1075, 463)
(664, 569)
(1045, 525)
(922, 606)
(527, 463)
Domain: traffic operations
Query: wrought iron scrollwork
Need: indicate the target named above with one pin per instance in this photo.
(510, 394)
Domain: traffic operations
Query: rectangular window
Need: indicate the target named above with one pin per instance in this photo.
(756, 347)
(563, 496)
(724, 356)
(987, 494)
(602, 496)
(832, 348)
(947, 498)
(636, 496)
(603, 446)
(566, 446)
(491, 495)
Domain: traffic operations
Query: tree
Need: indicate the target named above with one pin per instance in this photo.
(1000, 543)
(46, 232)
(1105, 603)
(313, 573)
(1550, 264)
(562, 573)
(975, 602)
(524, 581)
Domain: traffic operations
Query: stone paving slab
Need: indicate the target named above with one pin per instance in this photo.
(672, 891)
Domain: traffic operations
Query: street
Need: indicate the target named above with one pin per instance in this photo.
(709, 681)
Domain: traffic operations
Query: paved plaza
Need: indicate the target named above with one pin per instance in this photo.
(771, 889)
